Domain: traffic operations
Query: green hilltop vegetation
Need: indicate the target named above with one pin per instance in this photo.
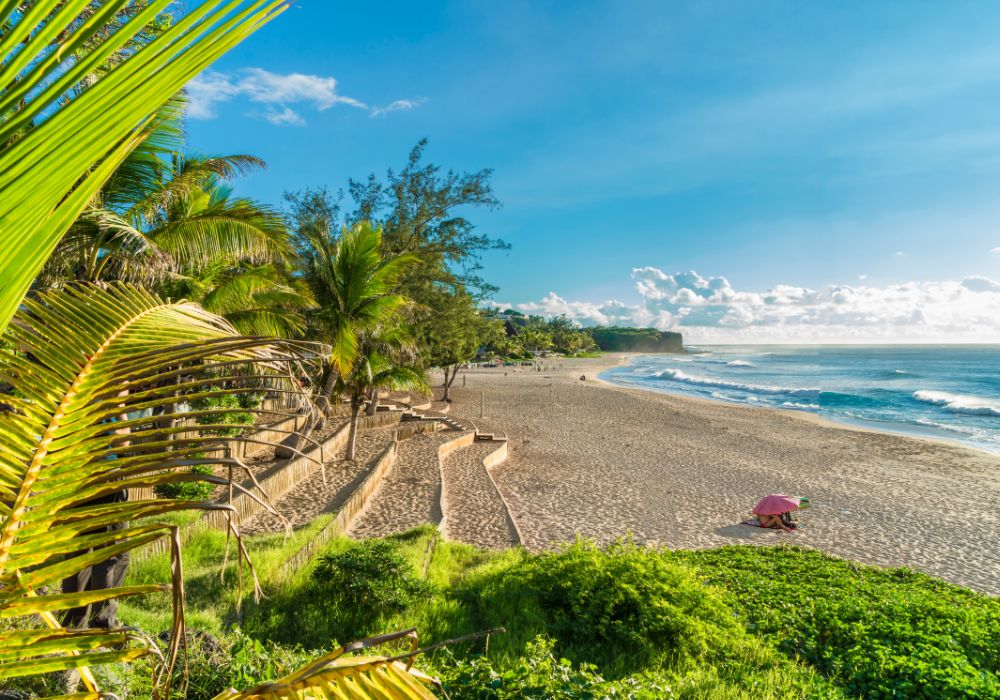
(526, 336)
(621, 622)
(617, 339)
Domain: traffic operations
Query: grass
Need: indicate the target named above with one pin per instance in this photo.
(621, 622)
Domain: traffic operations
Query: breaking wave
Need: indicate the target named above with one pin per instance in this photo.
(679, 376)
(959, 403)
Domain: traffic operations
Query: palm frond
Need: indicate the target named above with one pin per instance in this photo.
(52, 133)
(100, 377)
(344, 677)
(231, 229)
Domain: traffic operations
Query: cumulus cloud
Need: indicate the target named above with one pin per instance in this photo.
(710, 309)
(282, 93)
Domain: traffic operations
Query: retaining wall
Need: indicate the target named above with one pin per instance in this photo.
(354, 504)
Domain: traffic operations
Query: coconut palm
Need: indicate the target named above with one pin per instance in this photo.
(386, 359)
(354, 285)
(69, 116)
(158, 220)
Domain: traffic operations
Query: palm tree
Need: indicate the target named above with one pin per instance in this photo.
(69, 116)
(155, 221)
(386, 360)
(354, 285)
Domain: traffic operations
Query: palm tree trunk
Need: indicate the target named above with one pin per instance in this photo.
(325, 396)
(352, 437)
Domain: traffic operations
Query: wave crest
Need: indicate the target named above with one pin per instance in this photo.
(679, 376)
(959, 403)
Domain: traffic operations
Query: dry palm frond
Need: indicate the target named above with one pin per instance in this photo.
(100, 381)
(338, 675)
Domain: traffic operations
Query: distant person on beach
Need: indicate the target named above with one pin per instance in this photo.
(776, 522)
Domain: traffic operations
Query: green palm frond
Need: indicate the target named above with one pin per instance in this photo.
(185, 176)
(101, 379)
(145, 167)
(354, 285)
(198, 231)
(262, 300)
(68, 120)
(338, 675)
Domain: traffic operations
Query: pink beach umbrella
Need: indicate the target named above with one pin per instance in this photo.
(776, 504)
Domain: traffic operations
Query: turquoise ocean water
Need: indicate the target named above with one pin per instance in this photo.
(945, 392)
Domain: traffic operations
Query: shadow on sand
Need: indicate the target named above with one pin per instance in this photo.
(743, 532)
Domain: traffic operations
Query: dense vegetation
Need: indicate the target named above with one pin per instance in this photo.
(616, 339)
(516, 335)
(625, 621)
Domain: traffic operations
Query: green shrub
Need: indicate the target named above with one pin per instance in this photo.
(876, 632)
(624, 607)
(354, 591)
(538, 675)
(368, 583)
(188, 490)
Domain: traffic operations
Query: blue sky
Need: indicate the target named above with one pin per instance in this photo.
(809, 146)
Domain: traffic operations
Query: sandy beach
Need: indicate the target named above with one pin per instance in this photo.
(601, 461)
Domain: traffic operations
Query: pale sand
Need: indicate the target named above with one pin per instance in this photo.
(411, 493)
(601, 461)
(473, 510)
(325, 493)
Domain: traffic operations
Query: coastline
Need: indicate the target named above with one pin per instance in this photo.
(817, 419)
(601, 460)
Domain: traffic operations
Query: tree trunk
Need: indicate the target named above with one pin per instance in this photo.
(448, 381)
(372, 405)
(352, 437)
(326, 399)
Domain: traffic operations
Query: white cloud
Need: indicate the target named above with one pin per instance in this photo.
(899, 254)
(712, 310)
(285, 117)
(398, 106)
(996, 251)
(279, 91)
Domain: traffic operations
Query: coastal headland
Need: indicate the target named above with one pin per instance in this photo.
(600, 461)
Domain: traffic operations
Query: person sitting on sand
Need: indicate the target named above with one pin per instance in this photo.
(776, 522)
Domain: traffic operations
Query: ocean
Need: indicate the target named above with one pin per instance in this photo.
(947, 392)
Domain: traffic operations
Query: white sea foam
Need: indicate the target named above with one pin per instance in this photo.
(959, 403)
(792, 404)
(679, 376)
(739, 363)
